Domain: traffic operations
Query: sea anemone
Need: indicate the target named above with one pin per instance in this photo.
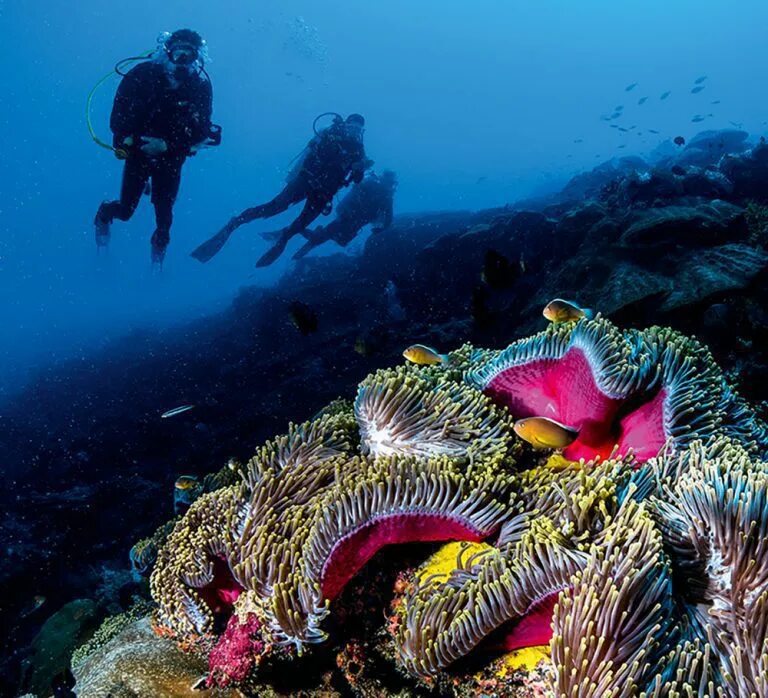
(714, 519)
(631, 392)
(414, 411)
(192, 580)
(649, 579)
(614, 623)
(503, 597)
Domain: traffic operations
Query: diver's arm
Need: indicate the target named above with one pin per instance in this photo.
(188, 137)
(204, 102)
(128, 106)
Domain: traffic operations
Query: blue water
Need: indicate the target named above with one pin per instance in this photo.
(473, 104)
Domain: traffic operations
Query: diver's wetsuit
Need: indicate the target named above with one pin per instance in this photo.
(370, 201)
(333, 160)
(151, 101)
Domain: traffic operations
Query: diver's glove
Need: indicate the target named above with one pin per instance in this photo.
(197, 147)
(153, 146)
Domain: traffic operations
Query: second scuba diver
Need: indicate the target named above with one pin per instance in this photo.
(161, 115)
(369, 202)
(333, 159)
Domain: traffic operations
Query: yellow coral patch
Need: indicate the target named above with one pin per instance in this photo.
(443, 562)
(526, 658)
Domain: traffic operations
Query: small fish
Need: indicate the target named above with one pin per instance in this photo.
(176, 410)
(622, 146)
(522, 264)
(303, 317)
(498, 272)
(619, 108)
(697, 89)
(37, 602)
(481, 179)
(615, 126)
(698, 81)
(186, 482)
(186, 490)
(578, 140)
(559, 310)
(679, 140)
(665, 94)
(652, 130)
(642, 100)
(623, 130)
(543, 432)
(697, 119)
(716, 101)
(423, 355)
(631, 87)
(737, 124)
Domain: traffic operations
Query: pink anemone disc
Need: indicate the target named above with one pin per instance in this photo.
(566, 391)
(222, 591)
(530, 630)
(354, 550)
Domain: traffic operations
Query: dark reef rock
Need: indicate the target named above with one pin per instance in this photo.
(693, 226)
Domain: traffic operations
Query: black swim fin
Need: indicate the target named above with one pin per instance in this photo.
(210, 248)
(273, 252)
(101, 228)
(270, 235)
(305, 249)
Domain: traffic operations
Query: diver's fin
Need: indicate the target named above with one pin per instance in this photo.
(271, 235)
(102, 230)
(274, 252)
(305, 249)
(210, 248)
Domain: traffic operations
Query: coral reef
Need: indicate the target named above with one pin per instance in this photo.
(673, 239)
(135, 663)
(634, 562)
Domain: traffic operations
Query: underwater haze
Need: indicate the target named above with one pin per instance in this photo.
(425, 437)
(473, 104)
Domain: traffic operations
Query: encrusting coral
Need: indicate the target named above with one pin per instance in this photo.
(638, 556)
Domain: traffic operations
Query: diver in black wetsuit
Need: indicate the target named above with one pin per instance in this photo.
(161, 115)
(333, 159)
(369, 202)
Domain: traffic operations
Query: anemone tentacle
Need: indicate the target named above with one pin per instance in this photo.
(408, 411)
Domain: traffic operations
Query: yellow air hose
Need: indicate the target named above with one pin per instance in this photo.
(120, 154)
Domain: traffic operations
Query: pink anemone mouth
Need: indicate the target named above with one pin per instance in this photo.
(222, 591)
(531, 630)
(353, 551)
(566, 391)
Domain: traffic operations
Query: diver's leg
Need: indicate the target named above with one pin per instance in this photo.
(166, 178)
(135, 175)
(313, 207)
(346, 232)
(292, 193)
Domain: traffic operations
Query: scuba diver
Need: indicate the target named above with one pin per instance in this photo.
(370, 201)
(161, 115)
(333, 159)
